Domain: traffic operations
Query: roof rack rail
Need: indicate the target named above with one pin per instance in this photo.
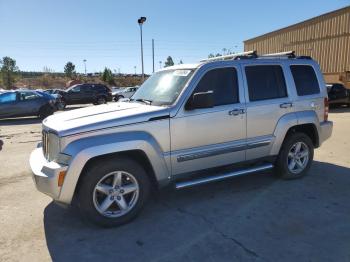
(243, 55)
(287, 54)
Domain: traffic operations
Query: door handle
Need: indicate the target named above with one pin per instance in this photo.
(286, 105)
(236, 111)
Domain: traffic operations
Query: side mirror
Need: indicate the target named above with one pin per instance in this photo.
(200, 100)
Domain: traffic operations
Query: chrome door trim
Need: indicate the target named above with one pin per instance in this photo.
(225, 150)
(212, 152)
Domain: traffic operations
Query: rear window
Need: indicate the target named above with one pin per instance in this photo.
(265, 82)
(305, 80)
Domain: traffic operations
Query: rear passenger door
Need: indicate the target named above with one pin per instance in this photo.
(267, 101)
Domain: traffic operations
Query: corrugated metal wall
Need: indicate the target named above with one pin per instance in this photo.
(326, 38)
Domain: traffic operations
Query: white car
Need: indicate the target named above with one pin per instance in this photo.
(127, 92)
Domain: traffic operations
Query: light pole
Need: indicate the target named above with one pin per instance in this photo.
(141, 20)
(85, 65)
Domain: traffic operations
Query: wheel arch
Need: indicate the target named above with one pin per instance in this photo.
(139, 146)
(304, 122)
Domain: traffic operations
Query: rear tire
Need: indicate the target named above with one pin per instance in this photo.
(115, 176)
(295, 157)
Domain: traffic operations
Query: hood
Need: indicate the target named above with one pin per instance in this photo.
(102, 116)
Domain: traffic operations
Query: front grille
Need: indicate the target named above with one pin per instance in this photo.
(45, 137)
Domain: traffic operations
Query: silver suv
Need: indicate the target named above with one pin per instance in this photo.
(186, 125)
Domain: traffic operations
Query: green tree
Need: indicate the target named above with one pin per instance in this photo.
(180, 63)
(169, 62)
(8, 71)
(69, 69)
(107, 76)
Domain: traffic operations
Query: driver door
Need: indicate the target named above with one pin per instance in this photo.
(211, 137)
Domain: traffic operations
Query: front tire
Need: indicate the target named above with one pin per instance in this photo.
(101, 100)
(45, 112)
(113, 192)
(295, 157)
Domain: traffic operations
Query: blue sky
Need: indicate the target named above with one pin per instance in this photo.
(40, 33)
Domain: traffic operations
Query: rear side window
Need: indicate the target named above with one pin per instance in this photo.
(265, 82)
(223, 82)
(305, 80)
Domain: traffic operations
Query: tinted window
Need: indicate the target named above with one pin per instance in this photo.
(28, 96)
(8, 97)
(305, 80)
(265, 82)
(223, 82)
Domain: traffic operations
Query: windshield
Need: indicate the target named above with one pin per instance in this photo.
(163, 87)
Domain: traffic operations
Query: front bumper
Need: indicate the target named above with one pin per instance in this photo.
(45, 173)
(326, 129)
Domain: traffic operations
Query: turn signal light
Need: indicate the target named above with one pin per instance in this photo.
(61, 177)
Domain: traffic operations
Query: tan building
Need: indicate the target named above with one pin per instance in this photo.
(326, 38)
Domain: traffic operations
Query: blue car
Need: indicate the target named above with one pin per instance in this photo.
(26, 103)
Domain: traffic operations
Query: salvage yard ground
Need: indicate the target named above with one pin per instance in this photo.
(251, 218)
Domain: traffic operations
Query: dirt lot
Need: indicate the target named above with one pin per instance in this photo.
(251, 218)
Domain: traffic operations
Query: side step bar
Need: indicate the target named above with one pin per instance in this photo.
(199, 181)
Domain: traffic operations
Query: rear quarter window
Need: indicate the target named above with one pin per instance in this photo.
(305, 80)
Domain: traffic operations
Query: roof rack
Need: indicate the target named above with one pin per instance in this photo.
(287, 54)
(253, 54)
(236, 56)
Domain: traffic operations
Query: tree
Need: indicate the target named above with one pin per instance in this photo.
(8, 71)
(169, 62)
(69, 69)
(180, 63)
(107, 76)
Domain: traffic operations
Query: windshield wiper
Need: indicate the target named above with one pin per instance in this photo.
(145, 101)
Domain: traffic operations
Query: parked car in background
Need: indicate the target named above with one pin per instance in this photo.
(338, 94)
(126, 92)
(54, 91)
(26, 103)
(86, 93)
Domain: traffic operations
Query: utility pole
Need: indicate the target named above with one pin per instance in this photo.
(153, 54)
(85, 65)
(141, 20)
(135, 69)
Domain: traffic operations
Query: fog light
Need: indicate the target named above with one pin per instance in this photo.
(61, 177)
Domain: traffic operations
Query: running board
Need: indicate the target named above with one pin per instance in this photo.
(199, 181)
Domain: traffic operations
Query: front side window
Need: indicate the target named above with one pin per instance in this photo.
(305, 80)
(8, 97)
(163, 87)
(265, 82)
(224, 84)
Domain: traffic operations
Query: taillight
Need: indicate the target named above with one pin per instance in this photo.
(326, 109)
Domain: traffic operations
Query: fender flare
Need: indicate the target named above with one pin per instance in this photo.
(85, 149)
(288, 121)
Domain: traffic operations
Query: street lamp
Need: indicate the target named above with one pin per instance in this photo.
(140, 21)
(85, 65)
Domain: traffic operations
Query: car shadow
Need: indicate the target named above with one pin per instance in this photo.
(20, 121)
(236, 219)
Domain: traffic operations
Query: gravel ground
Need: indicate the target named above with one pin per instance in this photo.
(251, 218)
